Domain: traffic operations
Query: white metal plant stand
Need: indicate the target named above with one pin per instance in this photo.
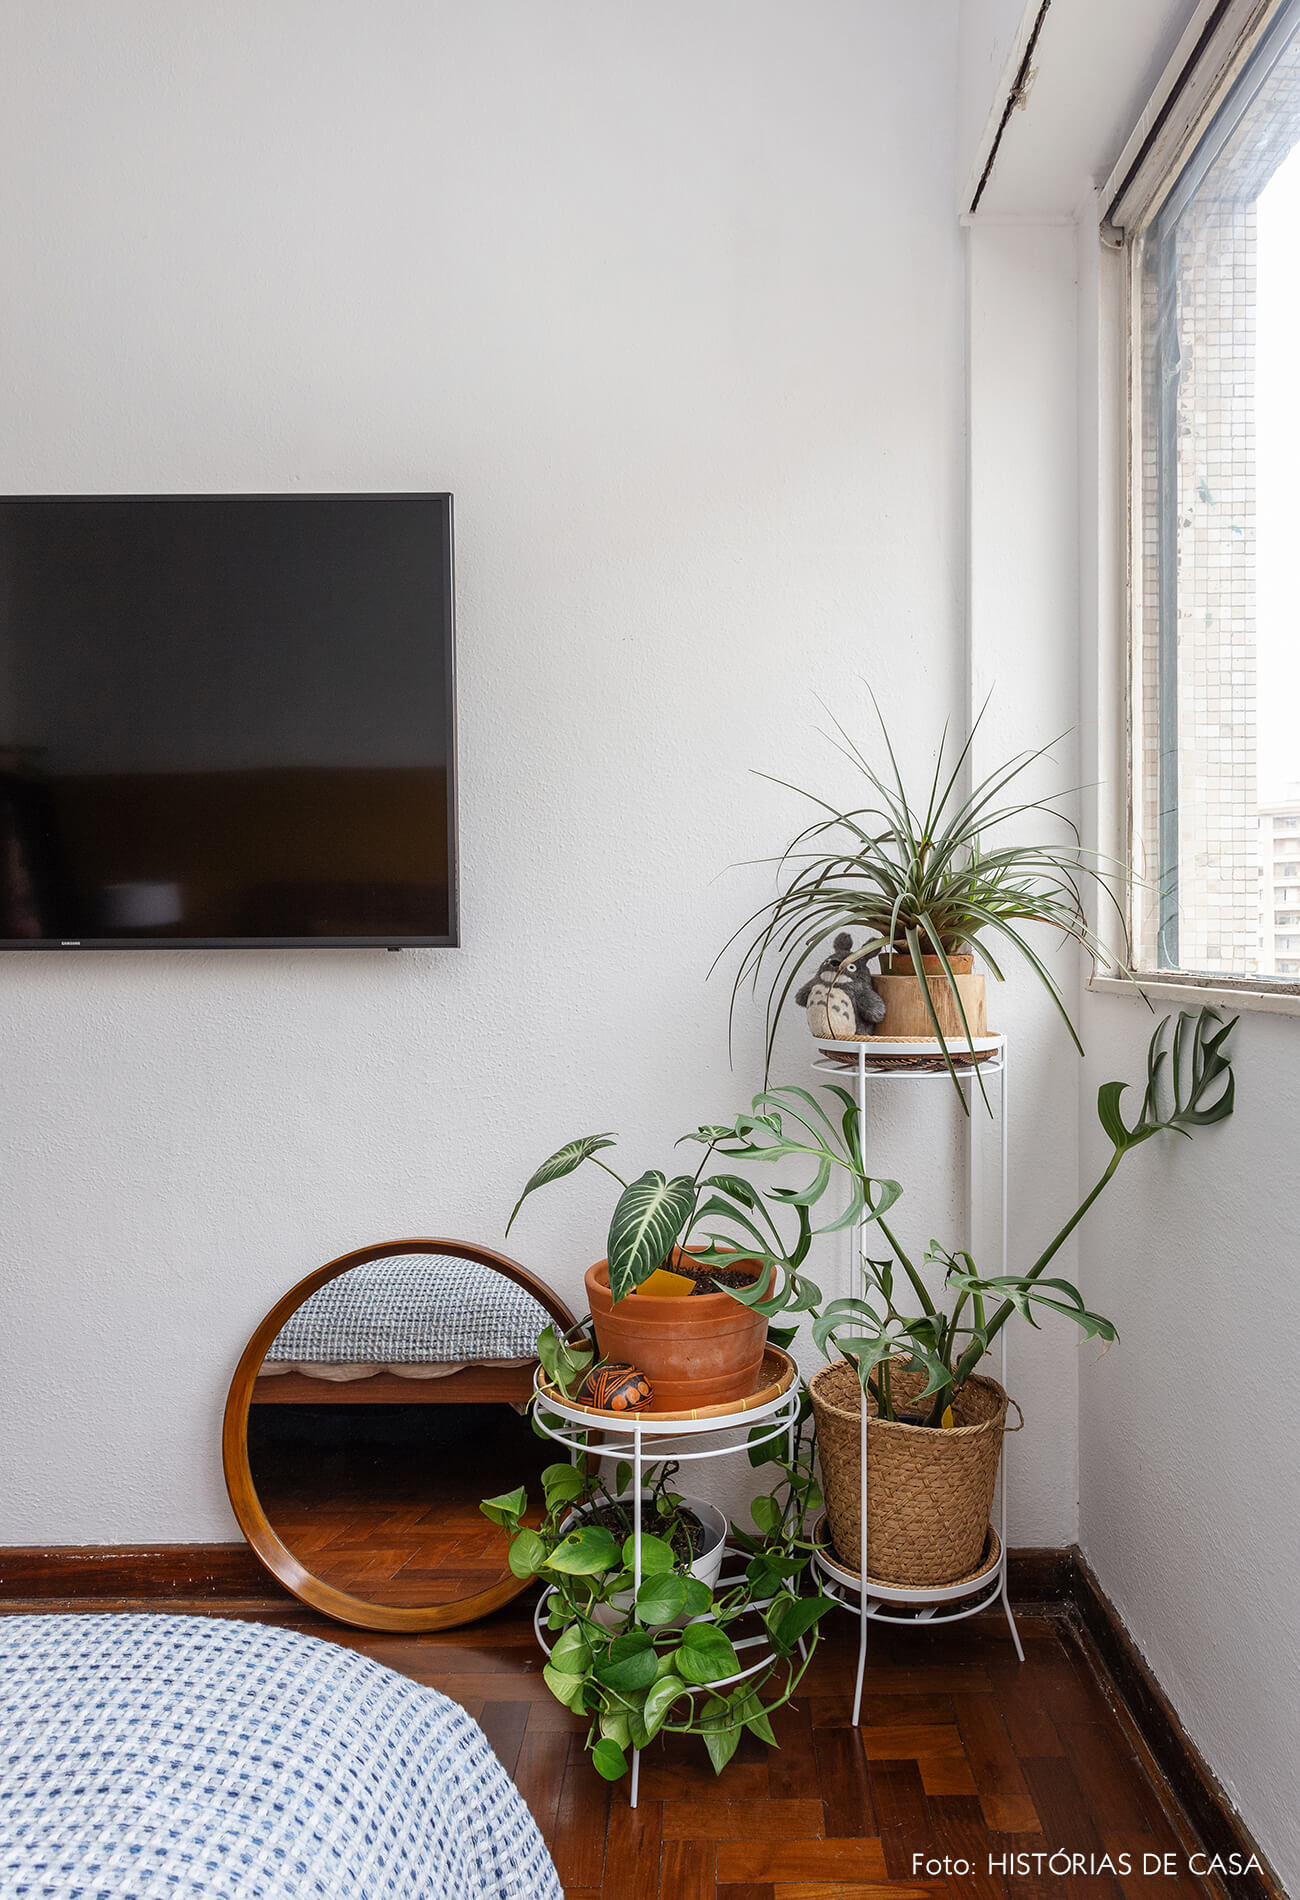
(949, 1603)
(681, 1441)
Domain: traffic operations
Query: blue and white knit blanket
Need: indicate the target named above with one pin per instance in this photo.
(202, 1759)
(415, 1309)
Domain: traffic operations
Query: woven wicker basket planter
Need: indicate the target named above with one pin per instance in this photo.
(930, 1493)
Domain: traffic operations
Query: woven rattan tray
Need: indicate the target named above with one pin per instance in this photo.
(921, 1054)
(776, 1375)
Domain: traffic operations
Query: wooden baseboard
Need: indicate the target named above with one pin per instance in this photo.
(1041, 1576)
(1213, 1818)
(211, 1574)
(80, 1573)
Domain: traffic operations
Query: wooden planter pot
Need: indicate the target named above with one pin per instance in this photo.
(901, 992)
(929, 1492)
(697, 1351)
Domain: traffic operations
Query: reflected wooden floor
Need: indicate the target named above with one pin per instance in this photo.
(386, 1506)
(962, 1754)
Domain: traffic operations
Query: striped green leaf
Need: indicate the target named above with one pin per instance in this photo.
(648, 1221)
(562, 1162)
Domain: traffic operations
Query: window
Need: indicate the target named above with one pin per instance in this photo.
(1215, 292)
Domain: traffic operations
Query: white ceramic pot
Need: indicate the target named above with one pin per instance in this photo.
(707, 1566)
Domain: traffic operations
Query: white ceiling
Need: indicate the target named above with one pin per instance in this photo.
(1096, 65)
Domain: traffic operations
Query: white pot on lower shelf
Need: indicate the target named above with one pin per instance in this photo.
(706, 1565)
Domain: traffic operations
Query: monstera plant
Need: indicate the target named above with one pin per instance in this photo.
(909, 1345)
(953, 1313)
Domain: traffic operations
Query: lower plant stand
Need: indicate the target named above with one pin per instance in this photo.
(644, 1439)
(890, 1603)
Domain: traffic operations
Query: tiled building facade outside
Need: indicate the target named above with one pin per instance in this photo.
(1197, 290)
(1279, 889)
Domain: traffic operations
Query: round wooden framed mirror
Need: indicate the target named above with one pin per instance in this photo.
(372, 1408)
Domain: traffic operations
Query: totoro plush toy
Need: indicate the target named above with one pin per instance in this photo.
(841, 999)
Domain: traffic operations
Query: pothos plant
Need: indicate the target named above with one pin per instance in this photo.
(946, 1322)
(659, 1658)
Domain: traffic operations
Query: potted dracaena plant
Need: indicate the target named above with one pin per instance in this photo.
(926, 884)
(911, 1344)
(659, 1300)
(661, 1658)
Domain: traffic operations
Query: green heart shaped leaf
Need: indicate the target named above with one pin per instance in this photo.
(631, 1664)
(706, 1655)
(608, 1759)
(526, 1555)
(584, 1552)
(659, 1701)
(699, 1597)
(562, 1484)
(661, 1598)
(565, 1688)
(506, 1509)
(656, 1554)
(572, 1654)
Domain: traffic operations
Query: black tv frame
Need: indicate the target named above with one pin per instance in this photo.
(451, 940)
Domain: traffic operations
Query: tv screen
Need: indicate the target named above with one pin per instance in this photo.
(226, 720)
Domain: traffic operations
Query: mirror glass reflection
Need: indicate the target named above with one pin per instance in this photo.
(387, 1406)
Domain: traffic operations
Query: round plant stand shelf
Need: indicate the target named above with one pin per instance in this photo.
(905, 1603)
(643, 1439)
(866, 1064)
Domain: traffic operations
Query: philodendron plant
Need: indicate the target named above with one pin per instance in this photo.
(660, 1658)
(950, 1314)
(656, 1214)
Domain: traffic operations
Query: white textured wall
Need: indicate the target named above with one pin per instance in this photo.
(670, 299)
(1190, 1487)
(1023, 634)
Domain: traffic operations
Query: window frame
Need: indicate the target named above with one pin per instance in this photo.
(1155, 174)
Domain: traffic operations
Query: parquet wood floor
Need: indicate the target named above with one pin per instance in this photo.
(963, 1759)
(962, 1753)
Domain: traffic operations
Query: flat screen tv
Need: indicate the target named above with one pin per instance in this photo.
(226, 720)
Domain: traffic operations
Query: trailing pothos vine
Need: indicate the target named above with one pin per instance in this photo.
(661, 1658)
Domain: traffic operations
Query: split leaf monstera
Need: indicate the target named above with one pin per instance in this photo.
(950, 1314)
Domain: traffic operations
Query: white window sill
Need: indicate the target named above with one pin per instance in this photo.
(1184, 990)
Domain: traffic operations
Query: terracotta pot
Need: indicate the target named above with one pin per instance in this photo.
(904, 999)
(702, 1350)
(899, 963)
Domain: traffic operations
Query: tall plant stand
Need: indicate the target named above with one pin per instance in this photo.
(642, 1438)
(949, 1603)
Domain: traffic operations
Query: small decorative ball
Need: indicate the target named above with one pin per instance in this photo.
(619, 1388)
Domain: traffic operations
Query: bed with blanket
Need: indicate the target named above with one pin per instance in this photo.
(404, 1330)
(205, 1759)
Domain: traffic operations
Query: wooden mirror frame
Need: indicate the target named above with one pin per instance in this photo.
(275, 1555)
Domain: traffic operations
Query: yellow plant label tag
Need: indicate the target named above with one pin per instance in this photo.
(664, 1285)
(947, 1419)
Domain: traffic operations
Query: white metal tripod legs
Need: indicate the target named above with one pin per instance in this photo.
(1011, 1621)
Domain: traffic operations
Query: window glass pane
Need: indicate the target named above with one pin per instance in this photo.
(1217, 682)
